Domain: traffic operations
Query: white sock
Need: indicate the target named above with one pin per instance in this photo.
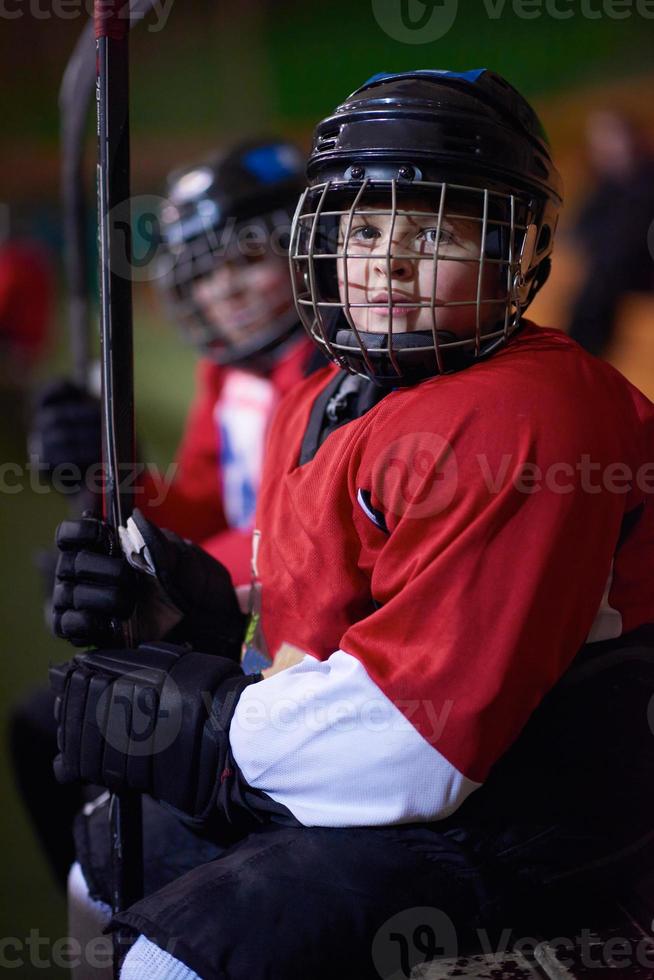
(86, 920)
(147, 961)
(78, 891)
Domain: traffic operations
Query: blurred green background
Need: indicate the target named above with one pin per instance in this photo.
(216, 71)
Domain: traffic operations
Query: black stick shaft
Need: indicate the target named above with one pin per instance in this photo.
(112, 59)
(74, 99)
(115, 286)
(77, 88)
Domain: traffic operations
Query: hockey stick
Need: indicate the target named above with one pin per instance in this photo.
(77, 87)
(75, 94)
(101, 67)
(112, 60)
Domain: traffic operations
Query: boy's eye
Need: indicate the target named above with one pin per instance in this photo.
(431, 236)
(364, 233)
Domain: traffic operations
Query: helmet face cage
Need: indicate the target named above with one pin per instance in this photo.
(241, 243)
(322, 252)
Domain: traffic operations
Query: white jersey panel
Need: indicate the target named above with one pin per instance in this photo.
(323, 740)
(242, 415)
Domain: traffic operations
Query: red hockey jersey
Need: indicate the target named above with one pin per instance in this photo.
(440, 561)
(212, 497)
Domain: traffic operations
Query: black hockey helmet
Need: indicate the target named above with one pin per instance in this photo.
(468, 144)
(234, 207)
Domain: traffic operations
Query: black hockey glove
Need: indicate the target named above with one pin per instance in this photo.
(155, 720)
(66, 427)
(170, 588)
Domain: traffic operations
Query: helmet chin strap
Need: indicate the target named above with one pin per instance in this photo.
(415, 350)
(401, 341)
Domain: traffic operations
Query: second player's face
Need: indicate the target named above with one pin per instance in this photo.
(242, 297)
(409, 275)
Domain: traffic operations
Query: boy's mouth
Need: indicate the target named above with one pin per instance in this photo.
(379, 303)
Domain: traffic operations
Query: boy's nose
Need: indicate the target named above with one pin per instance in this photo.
(398, 267)
(225, 280)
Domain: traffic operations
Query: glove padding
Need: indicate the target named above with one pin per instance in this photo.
(66, 427)
(154, 720)
(189, 599)
(95, 587)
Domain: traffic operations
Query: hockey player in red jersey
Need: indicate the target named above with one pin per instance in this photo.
(222, 271)
(224, 276)
(452, 549)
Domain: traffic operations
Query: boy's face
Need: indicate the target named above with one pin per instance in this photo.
(244, 295)
(409, 276)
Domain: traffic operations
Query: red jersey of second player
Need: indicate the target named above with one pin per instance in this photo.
(212, 497)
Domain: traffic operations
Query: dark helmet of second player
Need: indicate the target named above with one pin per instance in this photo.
(463, 145)
(230, 212)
